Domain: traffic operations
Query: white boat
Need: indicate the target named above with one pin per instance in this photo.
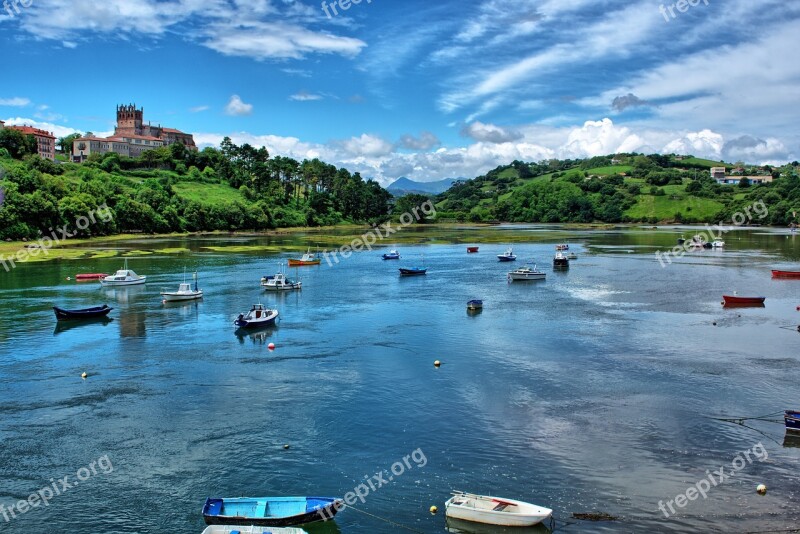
(123, 277)
(233, 529)
(718, 243)
(279, 282)
(572, 256)
(184, 292)
(494, 510)
(526, 273)
(256, 317)
(508, 255)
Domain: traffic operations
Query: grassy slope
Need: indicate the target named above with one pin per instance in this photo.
(208, 193)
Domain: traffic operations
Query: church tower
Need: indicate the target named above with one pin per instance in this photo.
(129, 120)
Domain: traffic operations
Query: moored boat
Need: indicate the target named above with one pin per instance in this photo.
(83, 313)
(413, 271)
(309, 258)
(256, 317)
(184, 292)
(562, 246)
(89, 276)
(270, 511)
(718, 243)
(280, 282)
(495, 511)
(475, 304)
(560, 261)
(508, 255)
(251, 529)
(572, 256)
(123, 277)
(785, 274)
(735, 300)
(392, 255)
(472, 250)
(792, 420)
(526, 273)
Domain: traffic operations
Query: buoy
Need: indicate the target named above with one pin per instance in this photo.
(84, 375)
(271, 346)
(714, 323)
(164, 301)
(798, 308)
(434, 509)
(761, 489)
(286, 446)
(437, 363)
(68, 278)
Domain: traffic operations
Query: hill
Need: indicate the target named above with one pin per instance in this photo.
(621, 188)
(405, 186)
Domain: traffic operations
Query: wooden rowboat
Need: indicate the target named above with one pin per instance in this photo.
(309, 258)
(89, 276)
(472, 250)
(270, 511)
(494, 510)
(785, 274)
(84, 313)
(733, 300)
(413, 271)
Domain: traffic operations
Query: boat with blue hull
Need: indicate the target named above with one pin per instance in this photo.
(413, 271)
(392, 255)
(270, 511)
(258, 316)
(508, 255)
(251, 529)
(792, 420)
(95, 312)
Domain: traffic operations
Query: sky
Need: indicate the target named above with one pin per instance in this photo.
(423, 89)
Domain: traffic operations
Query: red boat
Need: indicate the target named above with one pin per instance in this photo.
(785, 274)
(730, 300)
(472, 249)
(90, 276)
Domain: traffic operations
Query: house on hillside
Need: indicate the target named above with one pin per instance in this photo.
(734, 180)
(718, 173)
(45, 141)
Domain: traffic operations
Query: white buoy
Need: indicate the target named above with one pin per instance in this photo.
(761, 489)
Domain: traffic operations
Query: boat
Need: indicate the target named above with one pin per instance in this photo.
(184, 292)
(494, 510)
(526, 273)
(734, 300)
(718, 243)
(572, 256)
(508, 255)
(413, 271)
(257, 316)
(280, 282)
(83, 313)
(270, 511)
(562, 246)
(785, 274)
(123, 277)
(251, 529)
(560, 261)
(89, 276)
(792, 420)
(472, 250)
(475, 304)
(309, 258)
(392, 255)
(681, 240)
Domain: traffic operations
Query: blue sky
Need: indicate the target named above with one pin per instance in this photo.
(427, 90)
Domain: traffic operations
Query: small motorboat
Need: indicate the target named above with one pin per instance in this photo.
(123, 277)
(718, 243)
(526, 273)
(562, 246)
(792, 420)
(495, 511)
(184, 292)
(785, 274)
(735, 300)
(560, 261)
(413, 271)
(475, 304)
(270, 511)
(256, 317)
(89, 276)
(280, 282)
(681, 240)
(472, 250)
(309, 258)
(572, 256)
(84, 313)
(392, 255)
(251, 529)
(508, 255)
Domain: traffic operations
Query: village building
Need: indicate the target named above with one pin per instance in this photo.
(45, 141)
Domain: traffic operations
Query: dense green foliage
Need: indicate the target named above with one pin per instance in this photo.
(172, 189)
(620, 188)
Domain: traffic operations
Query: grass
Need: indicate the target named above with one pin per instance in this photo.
(665, 207)
(612, 169)
(705, 162)
(208, 193)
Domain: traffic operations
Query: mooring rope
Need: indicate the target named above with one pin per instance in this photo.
(741, 420)
(385, 520)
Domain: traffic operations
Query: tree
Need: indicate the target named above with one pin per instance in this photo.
(65, 143)
(744, 183)
(18, 144)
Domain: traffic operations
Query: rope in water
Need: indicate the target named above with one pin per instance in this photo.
(741, 420)
(385, 520)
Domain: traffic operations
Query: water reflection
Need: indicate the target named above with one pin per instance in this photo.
(123, 295)
(132, 323)
(64, 326)
(258, 336)
(792, 439)
(468, 527)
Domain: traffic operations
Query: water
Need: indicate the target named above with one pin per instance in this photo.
(590, 391)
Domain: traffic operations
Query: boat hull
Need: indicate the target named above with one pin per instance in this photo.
(472, 250)
(731, 300)
(413, 272)
(178, 297)
(250, 529)
(284, 287)
(561, 264)
(89, 276)
(316, 509)
(792, 421)
(523, 277)
(786, 274)
(391, 256)
(301, 263)
(119, 283)
(475, 305)
(506, 258)
(255, 323)
(527, 516)
(85, 313)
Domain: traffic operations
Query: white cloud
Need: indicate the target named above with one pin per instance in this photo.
(425, 141)
(237, 108)
(198, 109)
(305, 96)
(16, 101)
(489, 133)
(57, 130)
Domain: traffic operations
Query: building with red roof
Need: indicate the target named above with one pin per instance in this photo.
(45, 141)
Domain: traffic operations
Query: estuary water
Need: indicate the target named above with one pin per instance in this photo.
(595, 390)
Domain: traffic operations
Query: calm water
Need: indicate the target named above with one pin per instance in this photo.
(590, 391)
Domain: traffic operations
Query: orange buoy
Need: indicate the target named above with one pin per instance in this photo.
(271, 346)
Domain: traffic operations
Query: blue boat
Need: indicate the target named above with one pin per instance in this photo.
(792, 420)
(413, 271)
(475, 304)
(270, 511)
(84, 313)
(392, 255)
(508, 255)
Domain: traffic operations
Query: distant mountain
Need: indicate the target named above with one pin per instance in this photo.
(404, 186)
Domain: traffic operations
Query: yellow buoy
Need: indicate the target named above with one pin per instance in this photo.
(761, 489)
(434, 509)
(437, 363)
(84, 375)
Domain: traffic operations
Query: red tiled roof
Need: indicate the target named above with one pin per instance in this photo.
(125, 136)
(32, 131)
(173, 130)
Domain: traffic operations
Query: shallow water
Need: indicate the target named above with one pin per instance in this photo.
(591, 391)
